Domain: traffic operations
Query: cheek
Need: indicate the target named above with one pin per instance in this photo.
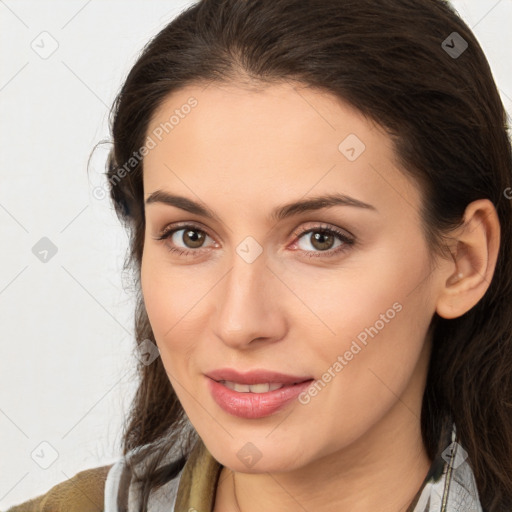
(162, 293)
(169, 293)
(378, 366)
(380, 321)
(155, 292)
(353, 297)
(176, 301)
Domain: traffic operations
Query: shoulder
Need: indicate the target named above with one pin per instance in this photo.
(82, 493)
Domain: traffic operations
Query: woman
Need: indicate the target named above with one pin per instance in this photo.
(318, 199)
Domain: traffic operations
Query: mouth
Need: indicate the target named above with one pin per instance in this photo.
(253, 401)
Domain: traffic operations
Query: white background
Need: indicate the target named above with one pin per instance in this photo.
(67, 352)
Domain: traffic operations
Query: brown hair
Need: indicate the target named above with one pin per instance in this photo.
(450, 132)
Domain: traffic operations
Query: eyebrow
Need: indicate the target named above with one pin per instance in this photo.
(279, 213)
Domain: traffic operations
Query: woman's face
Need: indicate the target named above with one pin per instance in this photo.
(341, 294)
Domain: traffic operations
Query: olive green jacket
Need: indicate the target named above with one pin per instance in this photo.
(82, 493)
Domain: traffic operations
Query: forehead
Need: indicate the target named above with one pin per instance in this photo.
(291, 111)
(280, 137)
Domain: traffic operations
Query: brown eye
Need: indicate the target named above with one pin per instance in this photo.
(192, 238)
(322, 240)
(184, 239)
(319, 240)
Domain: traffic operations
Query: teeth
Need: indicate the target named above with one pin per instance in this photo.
(252, 388)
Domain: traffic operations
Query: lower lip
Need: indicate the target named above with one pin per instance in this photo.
(254, 405)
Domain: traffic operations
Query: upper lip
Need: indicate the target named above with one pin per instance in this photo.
(255, 376)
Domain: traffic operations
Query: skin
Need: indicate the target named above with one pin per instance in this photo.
(242, 152)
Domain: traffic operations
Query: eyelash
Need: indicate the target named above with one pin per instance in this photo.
(347, 241)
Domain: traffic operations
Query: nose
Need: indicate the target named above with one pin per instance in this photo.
(248, 305)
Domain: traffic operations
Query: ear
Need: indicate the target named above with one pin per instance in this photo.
(476, 246)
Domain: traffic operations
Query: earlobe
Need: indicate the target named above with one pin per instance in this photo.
(474, 260)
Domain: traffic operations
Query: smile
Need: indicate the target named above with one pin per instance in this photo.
(253, 401)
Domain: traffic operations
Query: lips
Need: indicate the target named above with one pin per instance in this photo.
(254, 394)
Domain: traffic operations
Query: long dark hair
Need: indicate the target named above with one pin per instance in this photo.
(394, 61)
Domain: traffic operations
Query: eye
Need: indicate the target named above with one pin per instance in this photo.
(185, 239)
(323, 241)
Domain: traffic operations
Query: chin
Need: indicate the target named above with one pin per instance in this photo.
(246, 457)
